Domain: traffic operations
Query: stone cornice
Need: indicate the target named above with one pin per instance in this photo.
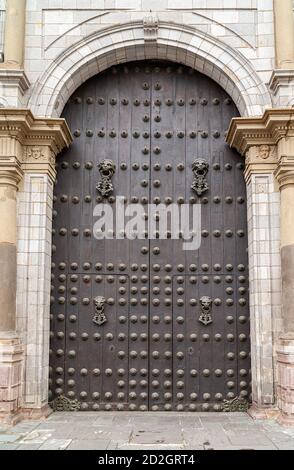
(22, 126)
(29, 144)
(16, 77)
(280, 78)
(268, 129)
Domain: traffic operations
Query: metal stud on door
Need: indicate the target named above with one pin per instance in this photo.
(139, 323)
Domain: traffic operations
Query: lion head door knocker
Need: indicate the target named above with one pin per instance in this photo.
(99, 317)
(106, 169)
(205, 304)
(200, 169)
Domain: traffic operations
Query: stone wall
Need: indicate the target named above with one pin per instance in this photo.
(54, 26)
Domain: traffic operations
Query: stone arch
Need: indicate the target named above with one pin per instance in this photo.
(133, 41)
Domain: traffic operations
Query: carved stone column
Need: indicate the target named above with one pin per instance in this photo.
(14, 33)
(274, 132)
(260, 140)
(284, 34)
(27, 146)
(263, 201)
(13, 79)
(10, 345)
(285, 176)
(282, 80)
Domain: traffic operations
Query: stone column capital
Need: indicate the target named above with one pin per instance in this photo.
(32, 142)
(263, 140)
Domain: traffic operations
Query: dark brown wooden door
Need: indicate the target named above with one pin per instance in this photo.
(152, 121)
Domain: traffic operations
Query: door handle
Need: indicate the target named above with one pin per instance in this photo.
(106, 169)
(99, 316)
(200, 169)
(205, 305)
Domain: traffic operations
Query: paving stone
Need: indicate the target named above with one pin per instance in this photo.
(173, 436)
(6, 438)
(251, 439)
(216, 435)
(150, 447)
(131, 431)
(190, 422)
(8, 446)
(36, 437)
(285, 446)
(28, 447)
(55, 444)
(89, 445)
(23, 427)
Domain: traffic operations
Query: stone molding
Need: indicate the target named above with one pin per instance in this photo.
(14, 78)
(11, 357)
(284, 171)
(10, 172)
(280, 78)
(285, 353)
(127, 41)
(30, 144)
(269, 129)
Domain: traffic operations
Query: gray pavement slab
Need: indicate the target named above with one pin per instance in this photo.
(147, 431)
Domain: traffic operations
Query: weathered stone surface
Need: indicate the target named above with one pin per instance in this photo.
(177, 431)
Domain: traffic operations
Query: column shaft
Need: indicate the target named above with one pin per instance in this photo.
(14, 33)
(284, 34)
(9, 178)
(287, 250)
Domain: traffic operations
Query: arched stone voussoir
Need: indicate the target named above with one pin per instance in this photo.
(126, 42)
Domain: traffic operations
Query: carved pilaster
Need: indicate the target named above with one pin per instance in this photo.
(26, 145)
(268, 143)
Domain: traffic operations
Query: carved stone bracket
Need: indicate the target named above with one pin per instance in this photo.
(150, 24)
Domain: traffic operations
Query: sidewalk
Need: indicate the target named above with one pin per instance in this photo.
(162, 431)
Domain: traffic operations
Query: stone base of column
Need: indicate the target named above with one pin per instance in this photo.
(285, 357)
(11, 360)
(36, 413)
(261, 412)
